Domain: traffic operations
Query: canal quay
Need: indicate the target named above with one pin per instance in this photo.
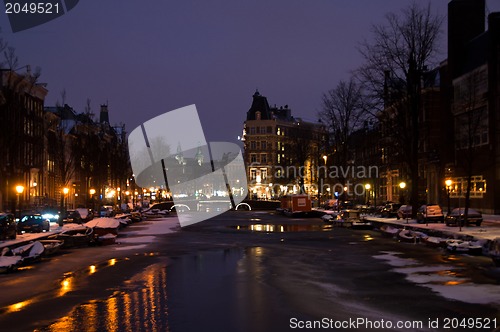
(253, 271)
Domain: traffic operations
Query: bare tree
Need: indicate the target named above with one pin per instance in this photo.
(400, 51)
(344, 111)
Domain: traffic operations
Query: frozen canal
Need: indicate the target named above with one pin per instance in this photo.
(227, 275)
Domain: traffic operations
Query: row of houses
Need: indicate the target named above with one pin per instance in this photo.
(458, 125)
(54, 156)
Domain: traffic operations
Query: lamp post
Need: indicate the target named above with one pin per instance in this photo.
(19, 190)
(92, 193)
(325, 158)
(367, 193)
(65, 198)
(402, 186)
(448, 184)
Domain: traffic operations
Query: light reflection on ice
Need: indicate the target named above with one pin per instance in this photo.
(442, 279)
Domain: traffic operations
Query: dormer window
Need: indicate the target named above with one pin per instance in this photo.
(257, 115)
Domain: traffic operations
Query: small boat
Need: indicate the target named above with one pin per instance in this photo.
(51, 246)
(435, 242)
(492, 249)
(389, 231)
(74, 236)
(156, 213)
(106, 239)
(464, 247)
(102, 226)
(411, 236)
(30, 252)
(9, 263)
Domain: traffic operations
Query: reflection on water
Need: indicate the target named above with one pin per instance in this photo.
(140, 306)
(271, 228)
(17, 306)
(66, 284)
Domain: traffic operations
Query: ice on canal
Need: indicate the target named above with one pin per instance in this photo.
(442, 279)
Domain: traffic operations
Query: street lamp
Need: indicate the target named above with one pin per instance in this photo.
(19, 190)
(325, 158)
(448, 184)
(367, 187)
(92, 193)
(402, 186)
(65, 198)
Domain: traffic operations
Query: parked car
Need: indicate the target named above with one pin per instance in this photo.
(390, 210)
(456, 217)
(50, 213)
(404, 212)
(8, 226)
(430, 213)
(72, 216)
(106, 211)
(33, 223)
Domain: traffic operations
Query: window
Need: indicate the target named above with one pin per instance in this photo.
(263, 173)
(252, 130)
(269, 129)
(253, 174)
(253, 158)
(263, 145)
(253, 145)
(471, 128)
(459, 187)
(263, 158)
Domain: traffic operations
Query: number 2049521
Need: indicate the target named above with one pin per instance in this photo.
(32, 8)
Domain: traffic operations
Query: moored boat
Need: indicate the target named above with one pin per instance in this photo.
(408, 235)
(435, 241)
(106, 239)
(103, 226)
(464, 247)
(389, 231)
(51, 246)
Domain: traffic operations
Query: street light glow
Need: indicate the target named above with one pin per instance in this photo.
(65, 190)
(92, 191)
(448, 183)
(402, 185)
(368, 186)
(19, 189)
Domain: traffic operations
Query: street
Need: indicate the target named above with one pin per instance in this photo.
(220, 275)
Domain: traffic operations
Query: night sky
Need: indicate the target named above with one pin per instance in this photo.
(144, 58)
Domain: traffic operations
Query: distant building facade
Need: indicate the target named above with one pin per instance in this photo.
(282, 153)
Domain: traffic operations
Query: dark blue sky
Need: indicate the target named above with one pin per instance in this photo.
(148, 57)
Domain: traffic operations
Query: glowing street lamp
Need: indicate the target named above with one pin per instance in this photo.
(448, 184)
(402, 186)
(19, 190)
(65, 192)
(367, 187)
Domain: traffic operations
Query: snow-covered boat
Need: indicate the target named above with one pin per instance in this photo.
(51, 246)
(29, 252)
(75, 236)
(106, 239)
(408, 235)
(102, 226)
(389, 231)
(435, 241)
(9, 263)
(464, 247)
(492, 249)
(156, 213)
